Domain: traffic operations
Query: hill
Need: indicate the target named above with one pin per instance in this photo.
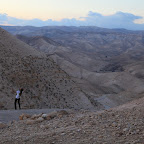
(107, 64)
(45, 84)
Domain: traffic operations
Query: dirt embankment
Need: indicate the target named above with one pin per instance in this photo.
(121, 125)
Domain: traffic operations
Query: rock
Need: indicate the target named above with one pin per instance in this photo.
(125, 129)
(44, 116)
(24, 116)
(100, 136)
(40, 119)
(114, 124)
(30, 122)
(36, 116)
(52, 114)
(2, 125)
(42, 126)
(78, 130)
(61, 113)
(49, 117)
(62, 134)
(120, 134)
(137, 131)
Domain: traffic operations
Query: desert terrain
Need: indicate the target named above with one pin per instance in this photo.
(107, 64)
(81, 85)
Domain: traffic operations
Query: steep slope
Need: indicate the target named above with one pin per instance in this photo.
(45, 84)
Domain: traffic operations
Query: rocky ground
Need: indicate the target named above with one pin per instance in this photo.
(120, 125)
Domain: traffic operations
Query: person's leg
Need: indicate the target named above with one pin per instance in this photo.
(19, 103)
(15, 104)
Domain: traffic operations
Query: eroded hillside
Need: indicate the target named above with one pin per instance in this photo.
(107, 64)
(45, 84)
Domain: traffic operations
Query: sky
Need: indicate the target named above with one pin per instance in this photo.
(127, 14)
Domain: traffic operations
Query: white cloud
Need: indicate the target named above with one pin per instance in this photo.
(139, 21)
(117, 20)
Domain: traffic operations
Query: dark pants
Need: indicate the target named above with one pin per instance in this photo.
(18, 103)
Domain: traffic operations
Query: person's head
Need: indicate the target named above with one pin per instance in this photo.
(21, 90)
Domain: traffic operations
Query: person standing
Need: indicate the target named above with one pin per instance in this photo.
(17, 99)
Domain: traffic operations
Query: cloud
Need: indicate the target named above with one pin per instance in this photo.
(117, 20)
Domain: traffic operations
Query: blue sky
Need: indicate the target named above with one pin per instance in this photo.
(127, 14)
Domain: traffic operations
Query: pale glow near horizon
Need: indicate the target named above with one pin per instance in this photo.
(60, 9)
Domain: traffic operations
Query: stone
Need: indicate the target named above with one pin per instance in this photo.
(125, 129)
(42, 126)
(2, 125)
(78, 130)
(36, 116)
(40, 119)
(24, 116)
(52, 114)
(114, 124)
(44, 116)
(62, 112)
(120, 134)
(49, 117)
(30, 122)
(62, 134)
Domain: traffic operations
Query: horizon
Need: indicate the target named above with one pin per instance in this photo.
(2, 26)
(106, 14)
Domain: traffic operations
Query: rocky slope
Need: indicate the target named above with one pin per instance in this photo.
(45, 84)
(120, 125)
(107, 64)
